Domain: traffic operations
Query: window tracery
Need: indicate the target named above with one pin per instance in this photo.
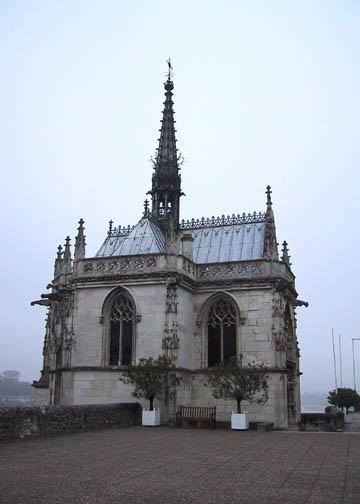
(221, 326)
(122, 314)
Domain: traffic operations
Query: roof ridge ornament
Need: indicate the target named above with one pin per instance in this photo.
(254, 218)
(146, 208)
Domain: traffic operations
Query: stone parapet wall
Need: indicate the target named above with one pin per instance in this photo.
(115, 267)
(328, 422)
(20, 422)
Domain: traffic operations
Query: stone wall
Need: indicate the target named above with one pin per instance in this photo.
(22, 422)
(328, 422)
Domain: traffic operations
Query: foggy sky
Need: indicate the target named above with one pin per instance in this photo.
(265, 93)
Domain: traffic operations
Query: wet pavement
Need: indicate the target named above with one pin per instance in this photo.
(166, 465)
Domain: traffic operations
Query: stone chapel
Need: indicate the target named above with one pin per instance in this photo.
(200, 291)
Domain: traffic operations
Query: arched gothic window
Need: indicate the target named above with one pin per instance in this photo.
(221, 327)
(122, 315)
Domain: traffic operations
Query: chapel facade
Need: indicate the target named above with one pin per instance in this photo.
(200, 291)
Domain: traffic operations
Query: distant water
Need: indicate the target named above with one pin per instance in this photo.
(314, 408)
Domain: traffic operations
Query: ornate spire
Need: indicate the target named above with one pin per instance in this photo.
(166, 180)
(270, 243)
(79, 252)
(285, 254)
(67, 257)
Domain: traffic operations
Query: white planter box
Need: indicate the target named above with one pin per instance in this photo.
(151, 418)
(240, 421)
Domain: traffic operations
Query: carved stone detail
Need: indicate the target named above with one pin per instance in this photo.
(279, 340)
(279, 305)
(230, 270)
(171, 295)
(189, 267)
(124, 266)
(170, 340)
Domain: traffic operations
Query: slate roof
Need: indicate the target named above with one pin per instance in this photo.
(145, 238)
(233, 242)
(228, 243)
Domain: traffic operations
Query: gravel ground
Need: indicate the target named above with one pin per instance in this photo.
(168, 465)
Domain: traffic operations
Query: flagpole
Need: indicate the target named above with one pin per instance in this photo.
(341, 376)
(333, 341)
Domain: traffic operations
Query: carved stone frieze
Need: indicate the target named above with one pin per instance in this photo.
(123, 266)
(100, 266)
(256, 269)
(230, 270)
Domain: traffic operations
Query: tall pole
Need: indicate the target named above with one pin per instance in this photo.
(341, 380)
(333, 341)
(353, 364)
(354, 339)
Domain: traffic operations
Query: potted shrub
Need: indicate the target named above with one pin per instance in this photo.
(345, 399)
(231, 380)
(152, 378)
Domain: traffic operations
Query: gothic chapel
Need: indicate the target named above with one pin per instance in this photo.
(200, 291)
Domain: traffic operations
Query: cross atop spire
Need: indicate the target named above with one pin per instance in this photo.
(170, 70)
(268, 195)
(59, 253)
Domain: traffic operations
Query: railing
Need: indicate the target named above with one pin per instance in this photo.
(224, 220)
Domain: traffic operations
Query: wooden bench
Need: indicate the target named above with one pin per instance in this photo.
(265, 426)
(197, 414)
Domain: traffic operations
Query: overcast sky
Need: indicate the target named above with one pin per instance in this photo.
(266, 92)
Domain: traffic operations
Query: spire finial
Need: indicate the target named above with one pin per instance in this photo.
(146, 208)
(111, 222)
(268, 195)
(58, 262)
(59, 253)
(67, 252)
(79, 252)
(285, 254)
